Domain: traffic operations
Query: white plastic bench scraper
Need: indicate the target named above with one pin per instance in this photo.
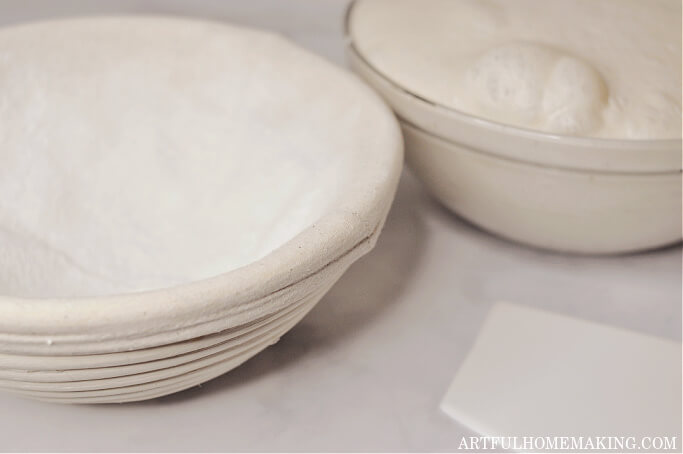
(534, 373)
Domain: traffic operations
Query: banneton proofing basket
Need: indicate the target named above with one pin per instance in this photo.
(141, 345)
(571, 194)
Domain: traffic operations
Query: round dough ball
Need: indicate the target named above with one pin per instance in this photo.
(533, 85)
(508, 80)
(574, 97)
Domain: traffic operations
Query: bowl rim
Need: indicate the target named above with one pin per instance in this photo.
(344, 232)
(478, 121)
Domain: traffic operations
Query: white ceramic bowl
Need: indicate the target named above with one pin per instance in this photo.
(572, 194)
(143, 344)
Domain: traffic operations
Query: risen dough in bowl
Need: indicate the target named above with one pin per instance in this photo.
(591, 68)
(158, 172)
(553, 123)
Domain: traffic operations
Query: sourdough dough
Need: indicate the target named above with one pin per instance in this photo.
(141, 152)
(602, 68)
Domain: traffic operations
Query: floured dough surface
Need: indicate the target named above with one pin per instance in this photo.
(597, 68)
(139, 153)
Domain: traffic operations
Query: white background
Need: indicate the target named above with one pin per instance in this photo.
(366, 370)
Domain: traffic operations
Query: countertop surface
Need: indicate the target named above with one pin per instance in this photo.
(367, 368)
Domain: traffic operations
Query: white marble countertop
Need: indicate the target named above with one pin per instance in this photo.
(365, 370)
